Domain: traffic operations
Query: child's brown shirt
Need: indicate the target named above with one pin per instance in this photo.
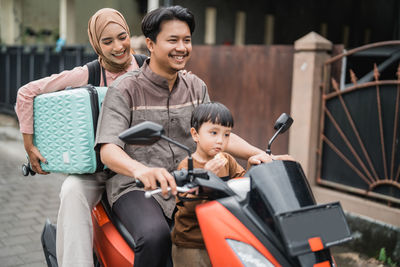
(186, 232)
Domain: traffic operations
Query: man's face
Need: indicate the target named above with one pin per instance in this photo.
(172, 48)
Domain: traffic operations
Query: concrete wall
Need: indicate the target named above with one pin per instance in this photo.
(10, 18)
(40, 15)
(350, 22)
(44, 15)
(128, 8)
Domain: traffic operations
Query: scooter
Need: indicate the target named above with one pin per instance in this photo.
(268, 218)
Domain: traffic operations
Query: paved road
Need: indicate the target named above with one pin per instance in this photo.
(25, 203)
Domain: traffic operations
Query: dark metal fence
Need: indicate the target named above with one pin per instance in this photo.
(359, 146)
(22, 64)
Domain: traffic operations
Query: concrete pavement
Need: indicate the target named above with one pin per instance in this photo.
(25, 202)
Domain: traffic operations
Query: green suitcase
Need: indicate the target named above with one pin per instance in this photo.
(65, 125)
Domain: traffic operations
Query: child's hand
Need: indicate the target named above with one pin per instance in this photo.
(216, 163)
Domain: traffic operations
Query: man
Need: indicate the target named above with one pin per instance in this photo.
(159, 93)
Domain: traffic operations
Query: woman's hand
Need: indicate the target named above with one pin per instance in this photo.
(150, 176)
(34, 154)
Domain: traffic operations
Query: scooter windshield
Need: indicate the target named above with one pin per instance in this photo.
(280, 185)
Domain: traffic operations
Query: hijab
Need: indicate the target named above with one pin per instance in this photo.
(96, 26)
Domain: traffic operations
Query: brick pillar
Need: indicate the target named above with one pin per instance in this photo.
(311, 51)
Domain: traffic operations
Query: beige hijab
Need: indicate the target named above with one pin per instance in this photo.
(96, 25)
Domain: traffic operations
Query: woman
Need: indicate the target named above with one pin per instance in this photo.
(110, 38)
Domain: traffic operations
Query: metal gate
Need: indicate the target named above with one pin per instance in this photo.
(359, 148)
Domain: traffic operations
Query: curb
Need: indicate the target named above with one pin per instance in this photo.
(370, 236)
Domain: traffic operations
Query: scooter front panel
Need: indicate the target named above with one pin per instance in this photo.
(217, 225)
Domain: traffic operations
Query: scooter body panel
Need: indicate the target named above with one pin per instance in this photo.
(218, 225)
(110, 247)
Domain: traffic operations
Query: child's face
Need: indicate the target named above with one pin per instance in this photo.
(211, 138)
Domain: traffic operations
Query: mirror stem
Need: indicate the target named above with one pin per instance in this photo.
(190, 160)
(268, 151)
(190, 168)
(176, 143)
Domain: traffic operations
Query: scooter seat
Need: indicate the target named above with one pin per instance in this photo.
(116, 222)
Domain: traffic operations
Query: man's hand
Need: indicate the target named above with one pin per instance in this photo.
(259, 158)
(34, 154)
(283, 157)
(264, 157)
(150, 176)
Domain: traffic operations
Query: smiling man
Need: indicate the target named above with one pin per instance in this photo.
(158, 92)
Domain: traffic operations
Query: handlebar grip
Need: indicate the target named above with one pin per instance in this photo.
(180, 177)
(139, 183)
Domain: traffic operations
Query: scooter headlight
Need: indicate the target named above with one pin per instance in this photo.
(248, 255)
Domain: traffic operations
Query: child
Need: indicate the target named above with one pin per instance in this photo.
(211, 125)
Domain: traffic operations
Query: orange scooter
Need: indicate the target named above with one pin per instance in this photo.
(268, 218)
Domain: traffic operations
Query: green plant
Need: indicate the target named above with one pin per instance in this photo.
(385, 259)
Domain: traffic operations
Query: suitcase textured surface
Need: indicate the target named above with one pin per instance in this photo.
(64, 129)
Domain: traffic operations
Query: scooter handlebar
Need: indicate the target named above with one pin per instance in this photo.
(181, 179)
(180, 189)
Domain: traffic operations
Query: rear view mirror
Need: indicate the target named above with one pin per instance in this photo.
(284, 121)
(145, 133)
(282, 124)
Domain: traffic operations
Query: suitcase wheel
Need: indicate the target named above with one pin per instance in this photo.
(25, 170)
